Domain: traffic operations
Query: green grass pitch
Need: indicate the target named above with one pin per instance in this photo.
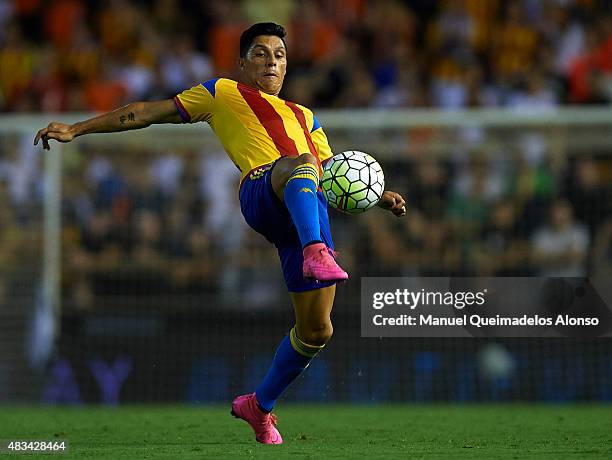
(321, 431)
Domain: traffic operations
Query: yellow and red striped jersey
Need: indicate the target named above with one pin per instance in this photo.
(255, 128)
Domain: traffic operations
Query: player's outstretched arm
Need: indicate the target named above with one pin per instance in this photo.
(132, 116)
(393, 201)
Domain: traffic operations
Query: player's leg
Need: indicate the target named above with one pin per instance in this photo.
(305, 340)
(313, 315)
(295, 182)
(312, 330)
(312, 303)
(265, 213)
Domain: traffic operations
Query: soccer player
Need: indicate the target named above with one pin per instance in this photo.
(279, 147)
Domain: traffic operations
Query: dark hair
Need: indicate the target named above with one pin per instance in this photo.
(261, 28)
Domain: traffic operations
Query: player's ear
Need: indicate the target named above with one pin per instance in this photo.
(241, 64)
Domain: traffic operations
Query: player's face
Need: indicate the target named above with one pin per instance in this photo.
(265, 64)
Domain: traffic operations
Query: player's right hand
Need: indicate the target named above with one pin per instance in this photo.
(59, 131)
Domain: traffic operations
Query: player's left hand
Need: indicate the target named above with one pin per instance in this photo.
(393, 201)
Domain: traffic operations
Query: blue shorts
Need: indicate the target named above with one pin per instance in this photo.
(267, 215)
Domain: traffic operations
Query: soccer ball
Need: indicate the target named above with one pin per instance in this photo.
(352, 182)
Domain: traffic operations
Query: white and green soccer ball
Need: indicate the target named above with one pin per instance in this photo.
(353, 182)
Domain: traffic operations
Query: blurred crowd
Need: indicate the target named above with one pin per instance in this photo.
(75, 55)
(145, 225)
(158, 227)
(169, 224)
(488, 216)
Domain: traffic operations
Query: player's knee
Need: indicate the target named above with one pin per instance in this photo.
(284, 169)
(306, 158)
(318, 334)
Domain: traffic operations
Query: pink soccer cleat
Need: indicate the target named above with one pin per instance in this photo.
(320, 265)
(263, 424)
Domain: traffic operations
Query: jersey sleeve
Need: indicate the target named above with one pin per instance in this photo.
(319, 139)
(197, 103)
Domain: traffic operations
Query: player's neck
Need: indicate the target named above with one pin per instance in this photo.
(252, 86)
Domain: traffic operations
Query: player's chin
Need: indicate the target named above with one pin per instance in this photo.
(270, 85)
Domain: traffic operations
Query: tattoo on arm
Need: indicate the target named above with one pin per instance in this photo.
(130, 117)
